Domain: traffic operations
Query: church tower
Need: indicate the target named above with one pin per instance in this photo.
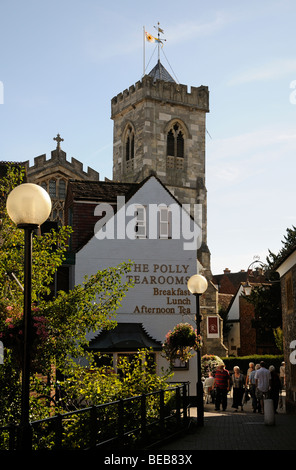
(160, 128)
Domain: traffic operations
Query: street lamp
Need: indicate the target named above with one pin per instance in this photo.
(247, 287)
(197, 285)
(28, 205)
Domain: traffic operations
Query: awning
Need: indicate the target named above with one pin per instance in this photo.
(124, 337)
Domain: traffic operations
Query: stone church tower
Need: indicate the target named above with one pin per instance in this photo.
(160, 128)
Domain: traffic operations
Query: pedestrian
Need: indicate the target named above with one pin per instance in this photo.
(208, 387)
(256, 406)
(262, 378)
(283, 375)
(275, 387)
(250, 369)
(238, 388)
(222, 386)
(247, 385)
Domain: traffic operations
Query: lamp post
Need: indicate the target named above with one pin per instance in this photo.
(247, 287)
(197, 285)
(28, 205)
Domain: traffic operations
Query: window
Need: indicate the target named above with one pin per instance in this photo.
(62, 189)
(175, 142)
(164, 222)
(180, 365)
(129, 144)
(175, 147)
(140, 228)
(52, 188)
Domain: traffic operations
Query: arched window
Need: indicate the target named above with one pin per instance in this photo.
(129, 143)
(175, 142)
(175, 146)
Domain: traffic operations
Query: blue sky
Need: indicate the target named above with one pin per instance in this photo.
(61, 63)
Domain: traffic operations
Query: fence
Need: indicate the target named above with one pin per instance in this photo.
(136, 422)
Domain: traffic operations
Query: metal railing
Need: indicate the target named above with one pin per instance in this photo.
(136, 422)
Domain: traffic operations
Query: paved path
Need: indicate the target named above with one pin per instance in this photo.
(230, 430)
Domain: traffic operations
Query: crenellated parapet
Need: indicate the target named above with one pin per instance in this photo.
(58, 158)
(54, 174)
(160, 90)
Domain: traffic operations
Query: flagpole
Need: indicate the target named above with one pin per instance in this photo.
(159, 49)
(143, 50)
(158, 35)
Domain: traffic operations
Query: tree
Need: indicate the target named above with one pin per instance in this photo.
(266, 299)
(288, 243)
(266, 296)
(60, 322)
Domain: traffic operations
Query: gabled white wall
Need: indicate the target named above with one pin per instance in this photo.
(161, 267)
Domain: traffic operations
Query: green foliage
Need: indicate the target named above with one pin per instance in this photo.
(243, 361)
(266, 300)
(278, 336)
(288, 244)
(87, 307)
(59, 323)
(139, 375)
(93, 385)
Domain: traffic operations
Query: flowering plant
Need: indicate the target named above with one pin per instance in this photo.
(181, 342)
(11, 332)
(209, 363)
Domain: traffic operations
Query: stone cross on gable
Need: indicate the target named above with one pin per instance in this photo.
(58, 139)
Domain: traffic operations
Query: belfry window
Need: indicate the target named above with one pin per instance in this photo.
(175, 142)
(129, 144)
(175, 147)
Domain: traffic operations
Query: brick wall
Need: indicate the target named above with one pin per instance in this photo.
(247, 333)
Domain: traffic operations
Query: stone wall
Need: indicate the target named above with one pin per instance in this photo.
(288, 292)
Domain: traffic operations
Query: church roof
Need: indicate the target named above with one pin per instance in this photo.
(159, 72)
(124, 337)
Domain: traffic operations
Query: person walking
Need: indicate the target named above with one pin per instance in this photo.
(208, 387)
(256, 406)
(275, 387)
(247, 385)
(238, 383)
(249, 371)
(262, 378)
(222, 386)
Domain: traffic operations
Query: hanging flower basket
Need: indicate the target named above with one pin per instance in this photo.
(181, 343)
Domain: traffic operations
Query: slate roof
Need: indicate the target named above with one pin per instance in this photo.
(106, 191)
(159, 72)
(228, 283)
(124, 337)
